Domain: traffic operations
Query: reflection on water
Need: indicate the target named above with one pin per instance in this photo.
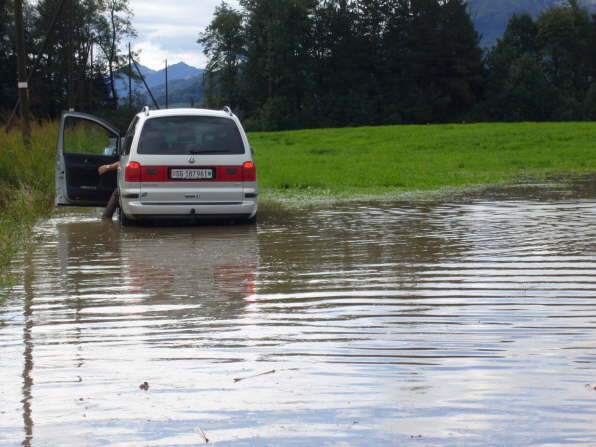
(469, 324)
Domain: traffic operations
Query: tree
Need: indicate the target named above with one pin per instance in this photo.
(518, 40)
(527, 94)
(112, 25)
(278, 49)
(592, 52)
(224, 44)
(63, 71)
(463, 69)
(397, 78)
(444, 61)
(62, 37)
(589, 103)
(564, 35)
(339, 61)
(7, 59)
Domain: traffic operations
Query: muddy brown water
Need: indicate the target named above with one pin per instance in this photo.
(446, 324)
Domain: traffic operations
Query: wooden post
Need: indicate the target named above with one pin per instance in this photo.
(22, 72)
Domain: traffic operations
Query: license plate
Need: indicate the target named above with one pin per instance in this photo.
(191, 173)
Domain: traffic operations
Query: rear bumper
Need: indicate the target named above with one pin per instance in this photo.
(157, 211)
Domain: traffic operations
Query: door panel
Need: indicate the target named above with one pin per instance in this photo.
(84, 184)
(85, 142)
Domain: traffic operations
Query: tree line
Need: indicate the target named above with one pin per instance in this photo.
(73, 50)
(284, 64)
(308, 63)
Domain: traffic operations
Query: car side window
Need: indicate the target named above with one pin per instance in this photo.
(130, 134)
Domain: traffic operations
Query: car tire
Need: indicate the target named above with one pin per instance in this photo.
(125, 221)
(251, 220)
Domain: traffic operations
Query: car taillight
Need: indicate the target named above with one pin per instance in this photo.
(132, 173)
(249, 171)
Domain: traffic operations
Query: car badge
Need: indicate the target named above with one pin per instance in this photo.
(191, 159)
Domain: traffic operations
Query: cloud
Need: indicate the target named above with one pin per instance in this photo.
(170, 30)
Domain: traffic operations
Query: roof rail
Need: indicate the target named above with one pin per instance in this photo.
(228, 110)
(145, 110)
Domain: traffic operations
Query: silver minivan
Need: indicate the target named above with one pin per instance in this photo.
(174, 164)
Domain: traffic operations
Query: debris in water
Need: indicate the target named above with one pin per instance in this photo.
(238, 379)
(416, 436)
(203, 435)
(144, 386)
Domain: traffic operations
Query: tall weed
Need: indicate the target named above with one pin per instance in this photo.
(26, 186)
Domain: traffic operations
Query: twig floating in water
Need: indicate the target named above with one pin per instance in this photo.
(203, 435)
(238, 379)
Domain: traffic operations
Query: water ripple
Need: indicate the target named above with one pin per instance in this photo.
(437, 324)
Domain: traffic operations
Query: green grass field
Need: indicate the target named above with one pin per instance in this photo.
(344, 163)
(334, 164)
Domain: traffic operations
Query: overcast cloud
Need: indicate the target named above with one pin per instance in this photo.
(170, 30)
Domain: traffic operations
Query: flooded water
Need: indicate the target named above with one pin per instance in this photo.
(463, 324)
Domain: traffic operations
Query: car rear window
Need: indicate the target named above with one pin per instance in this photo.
(182, 135)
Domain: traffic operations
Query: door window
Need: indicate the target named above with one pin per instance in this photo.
(87, 137)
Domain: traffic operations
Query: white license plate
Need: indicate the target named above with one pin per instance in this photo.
(191, 174)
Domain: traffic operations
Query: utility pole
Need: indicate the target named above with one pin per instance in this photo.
(90, 99)
(70, 55)
(22, 72)
(166, 83)
(129, 79)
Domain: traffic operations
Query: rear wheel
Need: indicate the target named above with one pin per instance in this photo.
(125, 221)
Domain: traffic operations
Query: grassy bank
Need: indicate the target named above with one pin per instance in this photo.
(394, 160)
(26, 186)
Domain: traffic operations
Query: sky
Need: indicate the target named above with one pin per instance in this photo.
(169, 30)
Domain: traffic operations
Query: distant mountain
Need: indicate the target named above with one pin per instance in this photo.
(175, 72)
(490, 17)
(184, 84)
(187, 91)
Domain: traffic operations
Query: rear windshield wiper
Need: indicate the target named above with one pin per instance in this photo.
(207, 151)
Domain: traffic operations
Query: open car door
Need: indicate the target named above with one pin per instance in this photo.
(85, 142)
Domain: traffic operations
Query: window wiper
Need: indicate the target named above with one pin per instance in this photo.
(207, 151)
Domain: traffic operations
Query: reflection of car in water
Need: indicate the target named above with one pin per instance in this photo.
(207, 261)
(191, 164)
(211, 269)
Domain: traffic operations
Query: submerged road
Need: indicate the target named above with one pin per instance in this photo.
(447, 324)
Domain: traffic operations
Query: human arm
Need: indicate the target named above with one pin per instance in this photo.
(105, 168)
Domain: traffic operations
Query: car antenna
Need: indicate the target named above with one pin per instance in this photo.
(146, 110)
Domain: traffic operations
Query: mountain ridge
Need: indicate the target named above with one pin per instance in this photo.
(184, 83)
(490, 17)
